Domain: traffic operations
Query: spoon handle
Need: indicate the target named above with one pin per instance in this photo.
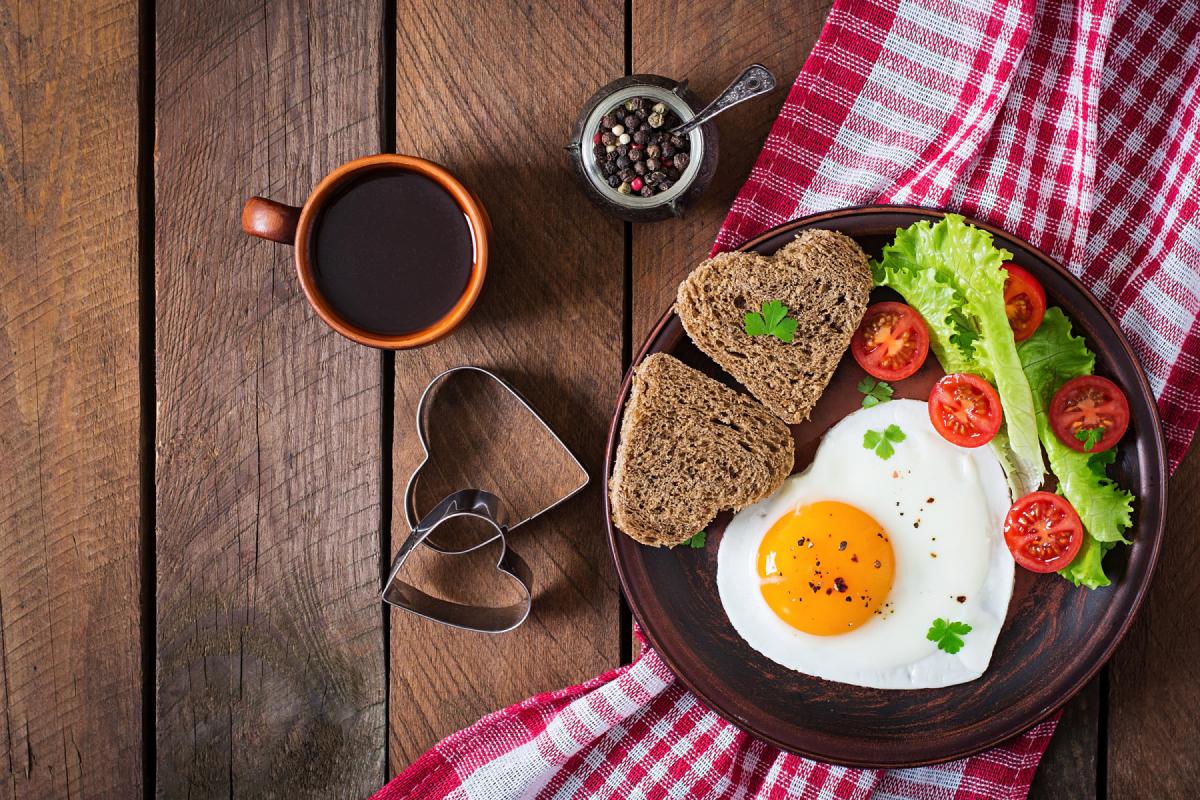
(754, 80)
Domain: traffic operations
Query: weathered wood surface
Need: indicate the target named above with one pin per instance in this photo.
(1154, 692)
(70, 671)
(491, 91)
(709, 43)
(271, 670)
(271, 667)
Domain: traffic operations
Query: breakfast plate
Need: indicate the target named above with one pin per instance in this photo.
(1055, 636)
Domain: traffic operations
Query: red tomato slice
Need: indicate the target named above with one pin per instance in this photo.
(1043, 532)
(1089, 403)
(965, 410)
(1024, 302)
(891, 342)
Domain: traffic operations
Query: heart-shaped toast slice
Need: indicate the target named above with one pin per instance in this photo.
(690, 448)
(823, 279)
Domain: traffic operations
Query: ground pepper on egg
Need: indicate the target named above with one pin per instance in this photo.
(635, 152)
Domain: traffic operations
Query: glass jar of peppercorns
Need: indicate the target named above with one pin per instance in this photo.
(625, 156)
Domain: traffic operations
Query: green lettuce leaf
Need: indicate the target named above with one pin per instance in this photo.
(953, 275)
(1051, 357)
(1086, 569)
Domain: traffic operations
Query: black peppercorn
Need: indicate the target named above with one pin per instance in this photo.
(651, 160)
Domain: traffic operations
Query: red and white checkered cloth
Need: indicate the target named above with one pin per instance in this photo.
(1072, 124)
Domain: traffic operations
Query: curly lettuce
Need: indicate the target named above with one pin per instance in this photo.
(1051, 357)
(953, 275)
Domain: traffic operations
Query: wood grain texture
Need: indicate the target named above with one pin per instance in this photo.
(490, 91)
(271, 674)
(1069, 766)
(1154, 683)
(709, 43)
(70, 675)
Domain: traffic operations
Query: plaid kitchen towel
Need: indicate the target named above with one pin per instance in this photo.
(1071, 123)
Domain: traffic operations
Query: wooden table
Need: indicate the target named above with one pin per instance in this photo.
(197, 499)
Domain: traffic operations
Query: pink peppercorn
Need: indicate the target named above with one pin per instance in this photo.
(636, 185)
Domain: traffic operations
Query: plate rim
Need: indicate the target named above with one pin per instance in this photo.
(1159, 464)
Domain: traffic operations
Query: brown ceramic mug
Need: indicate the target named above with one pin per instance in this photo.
(286, 224)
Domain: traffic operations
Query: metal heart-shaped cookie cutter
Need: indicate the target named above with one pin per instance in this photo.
(476, 503)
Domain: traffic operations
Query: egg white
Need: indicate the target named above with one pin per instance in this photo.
(963, 527)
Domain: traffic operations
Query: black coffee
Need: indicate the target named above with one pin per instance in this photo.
(392, 252)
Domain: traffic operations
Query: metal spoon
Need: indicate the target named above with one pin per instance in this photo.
(754, 80)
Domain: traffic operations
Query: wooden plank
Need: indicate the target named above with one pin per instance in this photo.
(1154, 684)
(70, 674)
(1068, 768)
(491, 91)
(270, 643)
(722, 39)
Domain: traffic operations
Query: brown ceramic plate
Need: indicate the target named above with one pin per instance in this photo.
(1056, 636)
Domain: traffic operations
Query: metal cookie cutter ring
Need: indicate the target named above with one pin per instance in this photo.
(479, 504)
(465, 503)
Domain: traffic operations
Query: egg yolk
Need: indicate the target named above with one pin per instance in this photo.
(826, 567)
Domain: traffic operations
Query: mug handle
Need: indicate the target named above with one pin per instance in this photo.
(267, 219)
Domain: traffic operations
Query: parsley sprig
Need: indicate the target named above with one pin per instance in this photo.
(948, 635)
(875, 392)
(881, 441)
(771, 321)
(1090, 437)
(698, 541)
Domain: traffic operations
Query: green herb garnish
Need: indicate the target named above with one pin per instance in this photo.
(1090, 437)
(875, 392)
(881, 441)
(948, 635)
(698, 540)
(773, 321)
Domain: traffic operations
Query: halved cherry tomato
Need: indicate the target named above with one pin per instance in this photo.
(891, 342)
(1043, 532)
(965, 410)
(1024, 302)
(1089, 403)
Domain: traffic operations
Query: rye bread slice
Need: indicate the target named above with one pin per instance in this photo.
(691, 447)
(822, 277)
